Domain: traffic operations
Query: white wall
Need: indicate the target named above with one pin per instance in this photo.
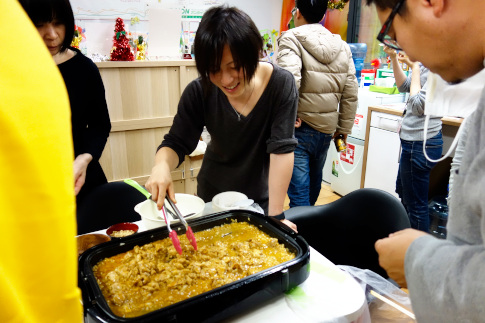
(266, 14)
(98, 16)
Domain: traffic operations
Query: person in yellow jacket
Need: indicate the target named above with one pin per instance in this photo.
(38, 258)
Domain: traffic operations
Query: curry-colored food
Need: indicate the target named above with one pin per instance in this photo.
(154, 275)
(121, 233)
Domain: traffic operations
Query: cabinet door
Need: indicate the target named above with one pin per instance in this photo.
(191, 173)
(382, 160)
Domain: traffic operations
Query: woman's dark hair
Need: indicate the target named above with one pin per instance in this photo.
(43, 11)
(312, 10)
(230, 26)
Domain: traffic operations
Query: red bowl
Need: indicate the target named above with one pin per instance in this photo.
(120, 227)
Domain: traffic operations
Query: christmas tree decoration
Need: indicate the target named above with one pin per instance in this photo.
(339, 5)
(77, 37)
(121, 50)
(140, 49)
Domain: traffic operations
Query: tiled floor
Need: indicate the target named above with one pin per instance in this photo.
(326, 196)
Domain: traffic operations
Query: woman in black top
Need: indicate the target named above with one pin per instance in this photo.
(249, 108)
(89, 113)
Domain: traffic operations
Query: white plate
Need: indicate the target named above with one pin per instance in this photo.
(186, 203)
(226, 200)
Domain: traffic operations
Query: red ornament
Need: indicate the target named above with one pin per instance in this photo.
(121, 48)
(375, 64)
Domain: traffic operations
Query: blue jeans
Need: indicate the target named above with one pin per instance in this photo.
(310, 155)
(412, 182)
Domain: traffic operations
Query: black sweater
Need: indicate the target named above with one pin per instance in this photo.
(89, 114)
(237, 158)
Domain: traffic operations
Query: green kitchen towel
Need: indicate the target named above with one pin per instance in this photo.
(382, 89)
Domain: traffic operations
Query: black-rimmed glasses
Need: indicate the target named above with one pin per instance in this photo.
(383, 37)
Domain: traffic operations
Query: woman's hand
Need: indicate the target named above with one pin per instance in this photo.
(298, 123)
(405, 59)
(160, 183)
(79, 167)
(390, 51)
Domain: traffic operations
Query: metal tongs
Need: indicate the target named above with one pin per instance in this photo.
(188, 230)
(172, 234)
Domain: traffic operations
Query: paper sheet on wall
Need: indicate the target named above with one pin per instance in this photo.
(100, 37)
(164, 32)
(110, 9)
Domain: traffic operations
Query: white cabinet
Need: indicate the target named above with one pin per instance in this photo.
(384, 150)
(347, 167)
(366, 99)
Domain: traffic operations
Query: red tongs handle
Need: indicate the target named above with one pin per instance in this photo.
(188, 230)
(190, 235)
(172, 234)
(175, 241)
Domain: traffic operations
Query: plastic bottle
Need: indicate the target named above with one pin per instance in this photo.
(438, 216)
(340, 143)
(359, 51)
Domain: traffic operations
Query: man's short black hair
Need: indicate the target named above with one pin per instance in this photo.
(312, 10)
(383, 4)
(44, 11)
(220, 26)
(388, 4)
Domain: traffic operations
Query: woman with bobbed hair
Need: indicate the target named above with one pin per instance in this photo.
(90, 121)
(249, 109)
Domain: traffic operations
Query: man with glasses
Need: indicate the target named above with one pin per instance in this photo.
(446, 278)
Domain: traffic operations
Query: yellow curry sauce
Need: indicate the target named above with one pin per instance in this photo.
(154, 275)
